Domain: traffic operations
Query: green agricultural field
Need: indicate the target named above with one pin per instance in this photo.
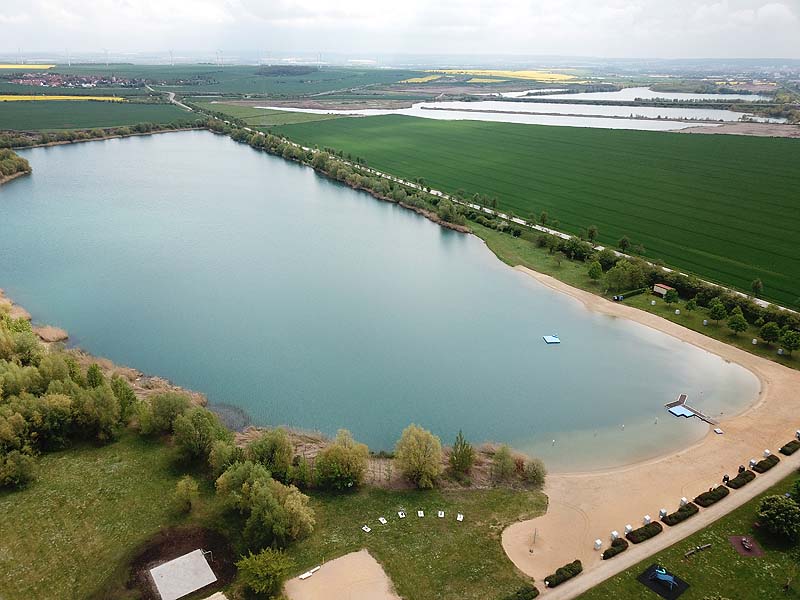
(429, 558)
(52, 115)
(264, 118)
(69, 531)
(722, 206)
(719, 572)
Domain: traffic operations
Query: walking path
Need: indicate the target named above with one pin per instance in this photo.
(588, 506)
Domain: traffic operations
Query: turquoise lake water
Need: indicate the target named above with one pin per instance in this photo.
(306, 303)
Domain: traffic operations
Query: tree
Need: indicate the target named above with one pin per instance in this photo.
(502, 464)
(196, 430)
(342, 464)
(625, 275)
(758, 287)
(158, 414)
(717, 311)
(607, 258)
(124, 393)
(790, 341)
(691, 305)
(94, 376)
(543, 217)
(591, 233)
(186, 494)
(671, 297)
(595, 270)
(624, 243)
(273, 449)
(462, 456)
(770, 332)
(16, 469)
(223, 454)
(263, 574)
(419, 455)
(780, 516)
(737, 323)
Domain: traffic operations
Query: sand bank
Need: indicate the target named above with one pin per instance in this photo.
(588, 506)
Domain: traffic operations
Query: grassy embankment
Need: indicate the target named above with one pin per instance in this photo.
(50, 116)
(73, 531)
(523, 251)
(722, 207)
(719, 572)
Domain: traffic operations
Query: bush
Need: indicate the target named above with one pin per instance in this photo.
(790, 448)
(683, 513)
(766, 464)
(419, 456)
(273, 449)
(263, 574)
(16, 469)
(618, 546)
(186, 494)
(535, 472)
(706, 499)
(502, 464)
(741, 480)
(563, 574)
(637, 536)
(342, 464)
(196, 430)
(157, 416)
(462, 456)
(526, 592)
(780, 516)
(223, 454)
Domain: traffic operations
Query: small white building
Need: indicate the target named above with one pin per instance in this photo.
(661, 289)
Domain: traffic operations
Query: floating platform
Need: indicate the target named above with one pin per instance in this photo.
(679, 408)
(551, 339)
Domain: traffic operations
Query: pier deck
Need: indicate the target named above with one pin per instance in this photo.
(679, 408)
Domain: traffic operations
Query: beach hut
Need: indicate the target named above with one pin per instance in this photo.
(661, 289)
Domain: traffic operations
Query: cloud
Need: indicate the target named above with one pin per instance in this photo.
(706, 28)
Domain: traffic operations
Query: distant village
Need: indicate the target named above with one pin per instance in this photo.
(75, 81)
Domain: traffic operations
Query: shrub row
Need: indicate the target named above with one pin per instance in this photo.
(526, 592)
(766, 464)
(741, 480)
(706, 499)
(790, 448)
(637, 536)
(618, 546)
(683, 513)
(563, 574)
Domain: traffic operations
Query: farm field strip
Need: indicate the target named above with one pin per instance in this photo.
(41, 116)
(45, 98)
(724, 207)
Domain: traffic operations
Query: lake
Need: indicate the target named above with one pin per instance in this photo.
(304, 302)
(631, 94)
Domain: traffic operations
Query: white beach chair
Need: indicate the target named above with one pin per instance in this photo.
(366, 529)
(441, 514)
(459, 517)
(382, 520)
(420, 513)
(401, 514)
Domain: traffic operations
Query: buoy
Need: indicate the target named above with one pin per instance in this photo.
(554, 442)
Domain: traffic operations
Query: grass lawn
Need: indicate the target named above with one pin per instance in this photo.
(718, 570)
(721, 206)
(45, 116)
(262, 117)
(427, 558)
(68, 532)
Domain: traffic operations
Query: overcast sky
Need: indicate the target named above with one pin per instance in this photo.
(612, 28)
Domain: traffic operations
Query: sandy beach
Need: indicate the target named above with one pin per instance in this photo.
(588, 506)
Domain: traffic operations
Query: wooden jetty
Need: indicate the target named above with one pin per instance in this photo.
(679, 408)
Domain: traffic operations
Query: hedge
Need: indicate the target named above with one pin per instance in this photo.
(741, 480)
(526, 592)
(706, 499)
(637, 536)
(683, 513)
(790, 448)
(618, 546)
(765, 465)
(563, 574)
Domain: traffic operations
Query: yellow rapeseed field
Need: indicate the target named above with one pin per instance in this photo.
(485, 80)
(24, 67)
(425, 79)
(19, 98)
(545, 76)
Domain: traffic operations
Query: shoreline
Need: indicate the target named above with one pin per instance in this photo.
(104, 137)
(9, 178)
(584, 506)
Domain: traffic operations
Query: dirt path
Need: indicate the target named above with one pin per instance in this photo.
(605, 501)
